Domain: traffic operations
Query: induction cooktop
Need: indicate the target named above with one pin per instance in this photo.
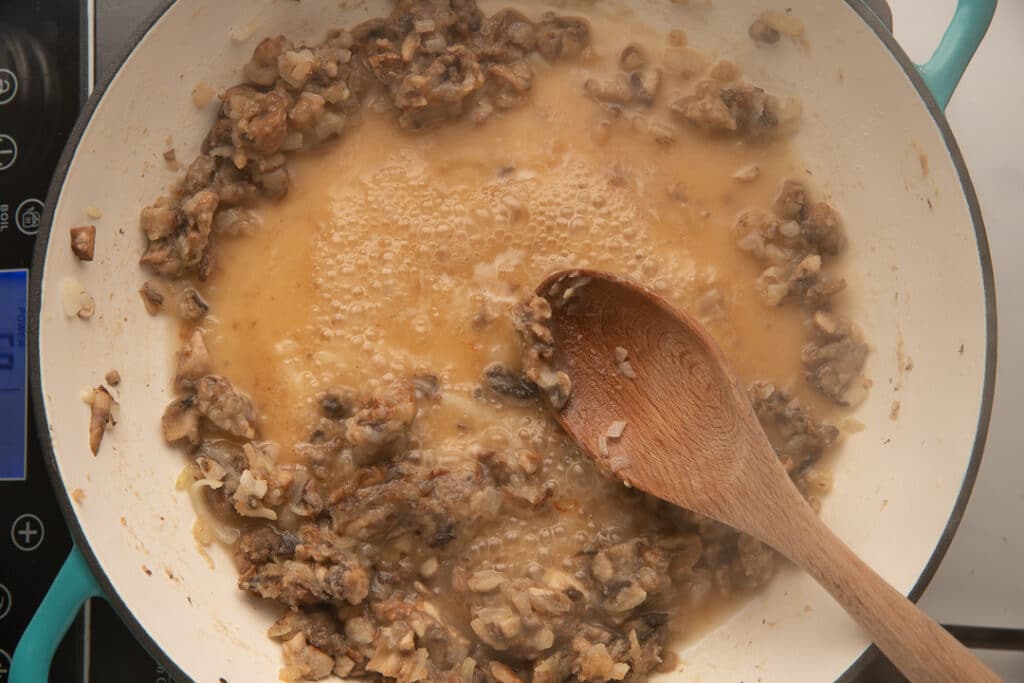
(51, 55)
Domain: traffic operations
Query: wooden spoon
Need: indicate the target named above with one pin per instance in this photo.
(692, 439)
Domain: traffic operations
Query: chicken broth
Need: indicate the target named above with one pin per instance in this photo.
(362, 376)
(397, 253)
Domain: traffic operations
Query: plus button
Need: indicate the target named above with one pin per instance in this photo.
(27, 532)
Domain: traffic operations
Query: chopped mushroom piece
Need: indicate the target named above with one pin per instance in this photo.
(834, 362)
(798, 437)
(192, 306)
(735, 108)
(561, 37)
(101, 407)
(633, 57)
(181, 421)
(152, 297)
(645, 84)
(792, 200)
(537, 346)
(337, 403)
(230, 410)
(508, 383)
(617, 89)
(113, 378)
(305, 662)
(83, 242)
(193, 361)
(761, 31)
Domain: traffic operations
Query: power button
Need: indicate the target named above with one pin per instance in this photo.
(8, 86)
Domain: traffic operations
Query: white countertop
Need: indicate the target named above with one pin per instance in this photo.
(981, 580)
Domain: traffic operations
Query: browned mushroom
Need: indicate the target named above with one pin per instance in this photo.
(181, 420)
(192, 306)
(152, 297)
(193, 361)
(83, 242)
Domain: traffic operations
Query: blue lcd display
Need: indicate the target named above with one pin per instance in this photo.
(13, 376)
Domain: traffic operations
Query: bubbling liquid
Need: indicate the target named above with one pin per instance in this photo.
(398, 253)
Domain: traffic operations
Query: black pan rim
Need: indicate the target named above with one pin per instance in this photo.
(142, 635)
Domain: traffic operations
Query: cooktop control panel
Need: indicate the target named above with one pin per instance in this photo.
(50, 53)
(42, 87)
(47, 65)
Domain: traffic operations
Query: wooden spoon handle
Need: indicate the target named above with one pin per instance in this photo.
(921, 649)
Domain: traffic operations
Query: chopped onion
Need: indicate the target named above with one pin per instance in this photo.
(264, 513)
(185, 478)
(202, 94)
(619, 463)
(784, 22)
(434, 43)
(74, 298)
(201, 532)
(615, 429)
(622, 365)
(300, 477)
(221, 151)
(747, 173)
(225, 534)
(790, 229)
(242, 33)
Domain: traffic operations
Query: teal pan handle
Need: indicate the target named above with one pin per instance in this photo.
(943, 71)
(73, 586)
